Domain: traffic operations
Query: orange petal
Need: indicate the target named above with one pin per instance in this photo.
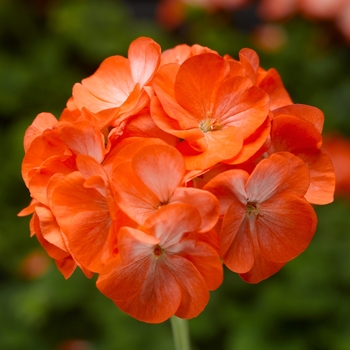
(194, 291)
(272, 84)
(278, 173)
(254, 145)
(250, 62)
(144, 57)
(161, 168)
(207, 204)
(322, 177)
(40, 179)
(42, 122)
(178, 122)
(170, 223)
(197, 81)
(206, 260)
(82, 138)
(158, 297)
(285, 227)
(236, 245)
(43, 147)
(289, 133)
(222, 144)
(261, 269)
(29, 209)
(83, 215)
(108, 87)
(228, 186)
(310, 114)
(238, 103)
(133, 196)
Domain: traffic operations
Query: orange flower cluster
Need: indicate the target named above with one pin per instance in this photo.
(166, 164)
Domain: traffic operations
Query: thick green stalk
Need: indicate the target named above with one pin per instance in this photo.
(181, 333)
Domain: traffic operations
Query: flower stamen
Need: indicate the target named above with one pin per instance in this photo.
(252, 208)
(157, 251)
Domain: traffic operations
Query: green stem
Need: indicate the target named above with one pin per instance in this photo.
(181, 333)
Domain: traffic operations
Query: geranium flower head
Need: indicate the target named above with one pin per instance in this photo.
(163, 166)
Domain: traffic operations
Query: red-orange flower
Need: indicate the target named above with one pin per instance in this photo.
(162, 269)
(155, 178)
(120, 84)
(209, 104)
(266, 221)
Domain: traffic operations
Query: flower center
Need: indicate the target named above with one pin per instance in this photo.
(209, 124)
(157, 251)
(252, 208)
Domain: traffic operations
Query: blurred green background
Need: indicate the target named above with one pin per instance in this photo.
(47, 46)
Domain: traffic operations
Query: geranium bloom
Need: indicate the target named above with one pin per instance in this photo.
(164, 165)
(266, 221)
(163, 268)
(213, 110)
(155, 178)
(120, 84)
